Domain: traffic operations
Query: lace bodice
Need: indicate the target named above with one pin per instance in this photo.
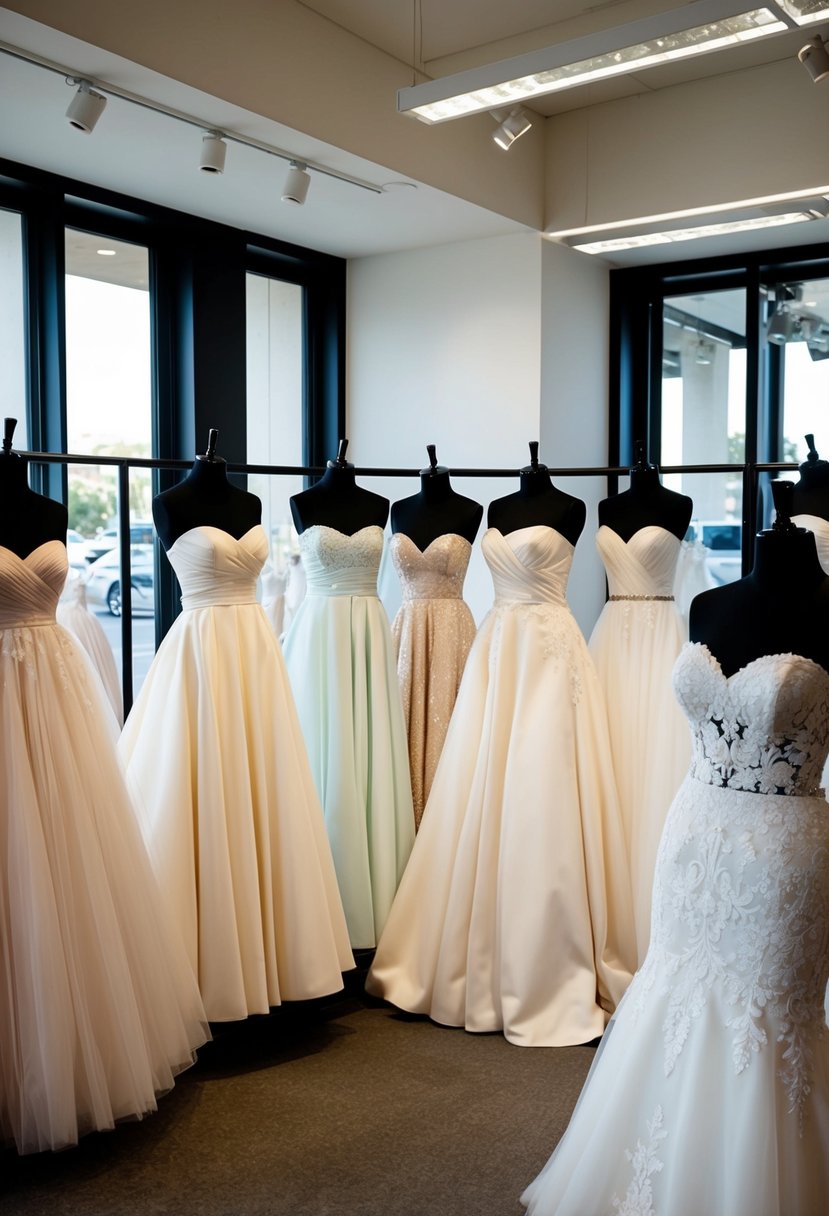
(643, 566)
(338, 564)
(528, 566)
(215, 568)
(820, 527)
(435, 573)
(765, 729)
(30, 586)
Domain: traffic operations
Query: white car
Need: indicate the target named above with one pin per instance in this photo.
(103, 581)
(141, 533)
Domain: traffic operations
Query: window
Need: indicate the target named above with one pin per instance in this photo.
(12, 325)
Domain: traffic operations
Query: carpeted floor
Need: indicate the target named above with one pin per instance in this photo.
(344, 1108)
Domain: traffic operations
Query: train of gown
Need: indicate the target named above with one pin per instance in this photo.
(74, 615)
(99, 1008)
(634, 645)
(340, 657)
(215, 758)
(433, 631)
(514, 913)
(710, 1090)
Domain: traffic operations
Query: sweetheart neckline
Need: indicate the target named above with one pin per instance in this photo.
(214, 528)
(43, 544)
(529, 528)
(442, 536)
(716, 666)
(339, 532)
(644, 528)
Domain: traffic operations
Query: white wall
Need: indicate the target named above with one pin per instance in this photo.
(444, 347)
(480, 347)
(574, 394)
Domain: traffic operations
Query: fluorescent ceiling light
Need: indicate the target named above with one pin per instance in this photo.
(805, 12)
(697, 28)
(610, 244)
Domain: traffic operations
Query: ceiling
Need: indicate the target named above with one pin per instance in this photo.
(152, 156)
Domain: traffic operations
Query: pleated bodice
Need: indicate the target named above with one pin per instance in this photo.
(216, 568)
(643, 566)
(820, 527)
(528, 566)
(30, 586)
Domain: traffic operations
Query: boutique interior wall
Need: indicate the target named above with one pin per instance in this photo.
(480, 347)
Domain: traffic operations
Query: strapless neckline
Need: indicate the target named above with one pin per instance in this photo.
(220, 531)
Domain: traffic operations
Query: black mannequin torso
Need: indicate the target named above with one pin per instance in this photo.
(437, 510)
(205, 497)
(647, 502)
(782, 607)
(338, 502)
(538, 502)
(811, 491)
(27, 519)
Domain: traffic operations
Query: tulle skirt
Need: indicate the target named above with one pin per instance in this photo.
(99, 1008)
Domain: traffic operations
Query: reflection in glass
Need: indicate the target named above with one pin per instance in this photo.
(12, 325)
(703, 416)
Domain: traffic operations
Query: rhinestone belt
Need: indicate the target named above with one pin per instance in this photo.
(663, 598)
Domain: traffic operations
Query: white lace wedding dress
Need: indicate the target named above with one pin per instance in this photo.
(710, 1092)
(634, 645)
(514, 908)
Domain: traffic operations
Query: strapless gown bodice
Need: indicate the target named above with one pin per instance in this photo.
(338, 564)
(645, 565)
(820, 527)
(434, 573)
(764, 730)
(215, 568)
(528, 566)
(30, 587)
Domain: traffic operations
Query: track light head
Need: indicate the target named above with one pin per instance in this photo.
(815, 59)
(516, 124)
(86, 107)
(296, 185)
(213, 153)
(781, 326)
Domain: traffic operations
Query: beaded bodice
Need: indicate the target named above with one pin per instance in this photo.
(338, 564)
(764, 729)
(435, 573)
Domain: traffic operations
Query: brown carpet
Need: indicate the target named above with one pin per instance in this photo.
(342, 1108)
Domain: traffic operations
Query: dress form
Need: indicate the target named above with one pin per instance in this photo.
(437, 509)
(538, 501)
(781, 607)
(646, 502)
(811, 491)
(27, 519)
(338, 502)
(205, 496)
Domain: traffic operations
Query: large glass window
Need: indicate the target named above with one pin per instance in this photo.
(12, 324)
(275, 391)
(109, 413)
(798, 326)
(703, 415)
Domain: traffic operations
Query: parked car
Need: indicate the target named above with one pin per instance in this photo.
(141, 533)
(723, 539)
(103, 581)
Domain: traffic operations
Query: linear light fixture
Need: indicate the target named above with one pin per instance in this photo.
(696, 28)
(667, 233)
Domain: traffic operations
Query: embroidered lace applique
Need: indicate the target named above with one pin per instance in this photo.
(638, 1200)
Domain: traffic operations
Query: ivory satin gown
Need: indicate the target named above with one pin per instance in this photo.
(433, 631)
(634, 645)
(340, 658)
(710, 1091)
(215, 757)
(514, 911)
(99, 1008)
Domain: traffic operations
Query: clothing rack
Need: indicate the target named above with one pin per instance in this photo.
(749, 472)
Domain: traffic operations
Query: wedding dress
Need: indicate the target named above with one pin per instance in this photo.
(340, 658)
(634, 645)
(710, 1091)
(99, 1008)
(214, 754)
(514, 911)
(74, 615)
(433, 631)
